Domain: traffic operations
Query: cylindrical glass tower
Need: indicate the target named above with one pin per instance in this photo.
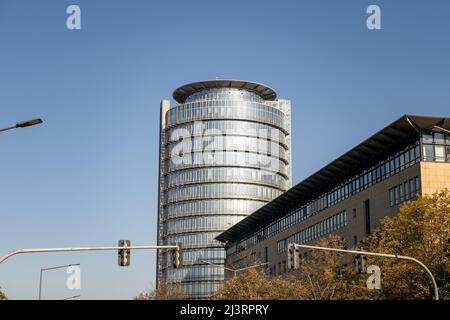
(224, 152)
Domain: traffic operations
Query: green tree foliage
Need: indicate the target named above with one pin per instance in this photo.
(420, 230)
(163, 292)
(317, 279)
(257, 285)
(3, 296)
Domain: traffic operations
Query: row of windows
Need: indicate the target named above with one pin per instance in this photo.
(226, 109)
(195, 240)
(195, 273)
(202, 223)
(404, 191)
(435, 137)
(436, 146)
(384, 169)
(234, 127)
(227, 159)
(190, 257)
(214, 144)
(224, 174)
(438, 153)
(211, 206)
(225, 94)
(315, 231)
(220, 190)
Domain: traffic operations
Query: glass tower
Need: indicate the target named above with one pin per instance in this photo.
(224, 152)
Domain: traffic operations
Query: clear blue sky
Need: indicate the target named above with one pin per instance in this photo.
(88, 176)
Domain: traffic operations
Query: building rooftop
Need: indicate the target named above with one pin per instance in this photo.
(403, 129)
(182, 93)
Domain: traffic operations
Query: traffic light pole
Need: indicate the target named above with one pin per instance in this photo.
(46, 250)
(376, 254)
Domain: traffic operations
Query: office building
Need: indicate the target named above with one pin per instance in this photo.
(349, 196)
(224, 152)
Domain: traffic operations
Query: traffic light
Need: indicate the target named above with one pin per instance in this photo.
(176, 256)
(124, 254)
(293, 259)
(360, 264)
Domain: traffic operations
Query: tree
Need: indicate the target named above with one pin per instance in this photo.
(3, 296)
(163, 292)
(318, 278)
(320, 272)
(420, 230)
(257, 285)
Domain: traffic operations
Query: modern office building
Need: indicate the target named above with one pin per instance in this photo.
(224, 152)
(349, 196)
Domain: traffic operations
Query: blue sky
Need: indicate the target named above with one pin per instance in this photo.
(88, 175)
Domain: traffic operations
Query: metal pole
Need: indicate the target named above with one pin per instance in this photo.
(23, 251)
(77, 296)
(217, 265)
(8, 128)
(52, 268)
(255, 266)
(40, 284)
(376, 254)
(23, 124)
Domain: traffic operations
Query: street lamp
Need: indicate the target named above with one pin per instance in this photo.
(52, 268)
(235, 271)
(375, 254)
(23, 124)
(73, 297)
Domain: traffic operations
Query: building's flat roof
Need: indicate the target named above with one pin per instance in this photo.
(182, 93)
(394, 134)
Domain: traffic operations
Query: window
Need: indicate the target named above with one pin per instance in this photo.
(404, 191)
(427, 137)
(439, 138)
(435, 146)
(367, 215)
(439, 153)
(391, 197)
(315, 231)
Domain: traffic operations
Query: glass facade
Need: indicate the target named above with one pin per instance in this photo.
(315, 231)
(225, 153)
(436, 146)
(405, 191)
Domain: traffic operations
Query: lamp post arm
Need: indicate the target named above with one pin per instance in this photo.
(217, 265)
(251, 267)
(8, 128)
